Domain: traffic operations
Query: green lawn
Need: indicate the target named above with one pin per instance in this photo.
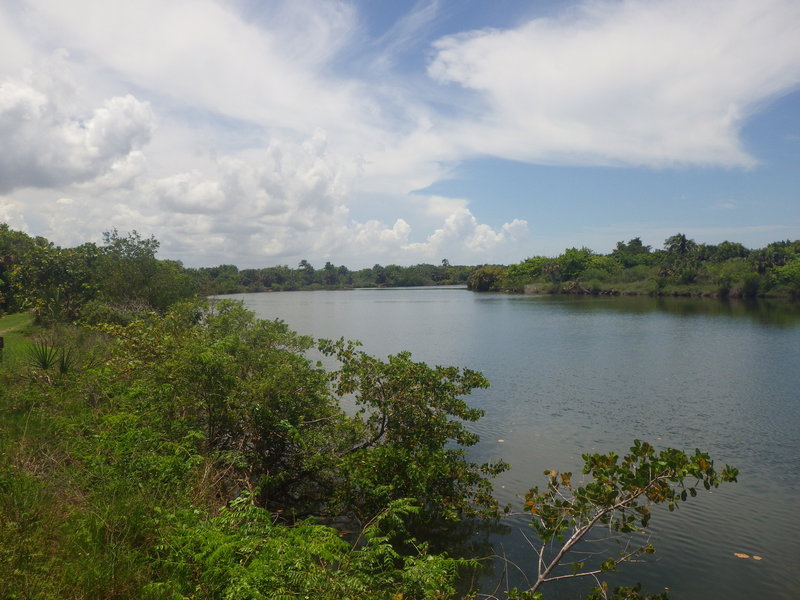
(15, 330)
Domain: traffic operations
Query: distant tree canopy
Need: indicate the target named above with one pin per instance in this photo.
(488, 278)
(227, 279)
(13, 245)
(123, 275)
(682, 267)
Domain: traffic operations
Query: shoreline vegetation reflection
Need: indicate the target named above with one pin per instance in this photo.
(765, 311)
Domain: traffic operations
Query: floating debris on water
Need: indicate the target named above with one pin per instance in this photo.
(743, 555)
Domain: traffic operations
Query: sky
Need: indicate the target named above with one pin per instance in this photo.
(263, 132)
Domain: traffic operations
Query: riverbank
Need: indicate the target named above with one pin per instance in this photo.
(651, 290)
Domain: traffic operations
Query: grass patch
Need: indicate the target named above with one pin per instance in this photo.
(16, 322)
(16, 330)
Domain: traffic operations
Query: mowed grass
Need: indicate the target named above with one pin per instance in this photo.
(16, 330)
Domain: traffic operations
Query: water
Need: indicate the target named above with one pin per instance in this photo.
(573, 375)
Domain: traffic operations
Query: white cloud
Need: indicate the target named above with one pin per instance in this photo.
(11, 212)
(47, 144)
(291, 201)
(441, 207)
(203, 54)
(636, 82)
(263, 147)
(374, 232)
(190, 193)
(121, 173)
(461, 230)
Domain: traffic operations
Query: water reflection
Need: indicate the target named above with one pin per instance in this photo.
(766, 311)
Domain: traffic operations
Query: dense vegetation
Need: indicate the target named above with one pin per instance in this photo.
(155, 445)
(183, 455)
(122, 276)
(228, 279)
(683, 267)
(124, 272)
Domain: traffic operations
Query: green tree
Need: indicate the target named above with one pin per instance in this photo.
(680, 259)
(379, 274)
(573, 262)
(243, 554)
(525, 272)
(55, 282)
(737, 277)
(224, 279)
(488, 278)
(679, 245)
(412, 437)
(345, 275)
(307, 272)
(129, 272)
(618, 497)
(633, 253)
(788, 275)
(127, 264)
(13, 245)
(244, 384)
(776, 254)
(729, 250)
(263, 409)
(330, 274)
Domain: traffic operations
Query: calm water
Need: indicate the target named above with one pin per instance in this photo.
(572, 375)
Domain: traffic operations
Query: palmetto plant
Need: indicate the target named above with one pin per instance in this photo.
(66, 360)
(45, 356)
(42, 355)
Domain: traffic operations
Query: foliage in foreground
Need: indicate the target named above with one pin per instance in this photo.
(617, 497)
(183, 456)
(123, 475)
(244, 553)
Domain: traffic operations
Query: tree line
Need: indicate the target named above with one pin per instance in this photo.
(123, 270)
(682, 267)
(60, 284)
(229, 279)
(123, 273)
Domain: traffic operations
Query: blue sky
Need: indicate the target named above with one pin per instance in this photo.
(261, 132)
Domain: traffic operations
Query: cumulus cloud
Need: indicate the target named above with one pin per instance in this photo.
(52, 146)
(265, 151)
(286, 202)
(461, 229)
(11, 213)
(375, 242)
(289, 198)
(190, 193)
(291, 201)
(204, 54)
(636, 82)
